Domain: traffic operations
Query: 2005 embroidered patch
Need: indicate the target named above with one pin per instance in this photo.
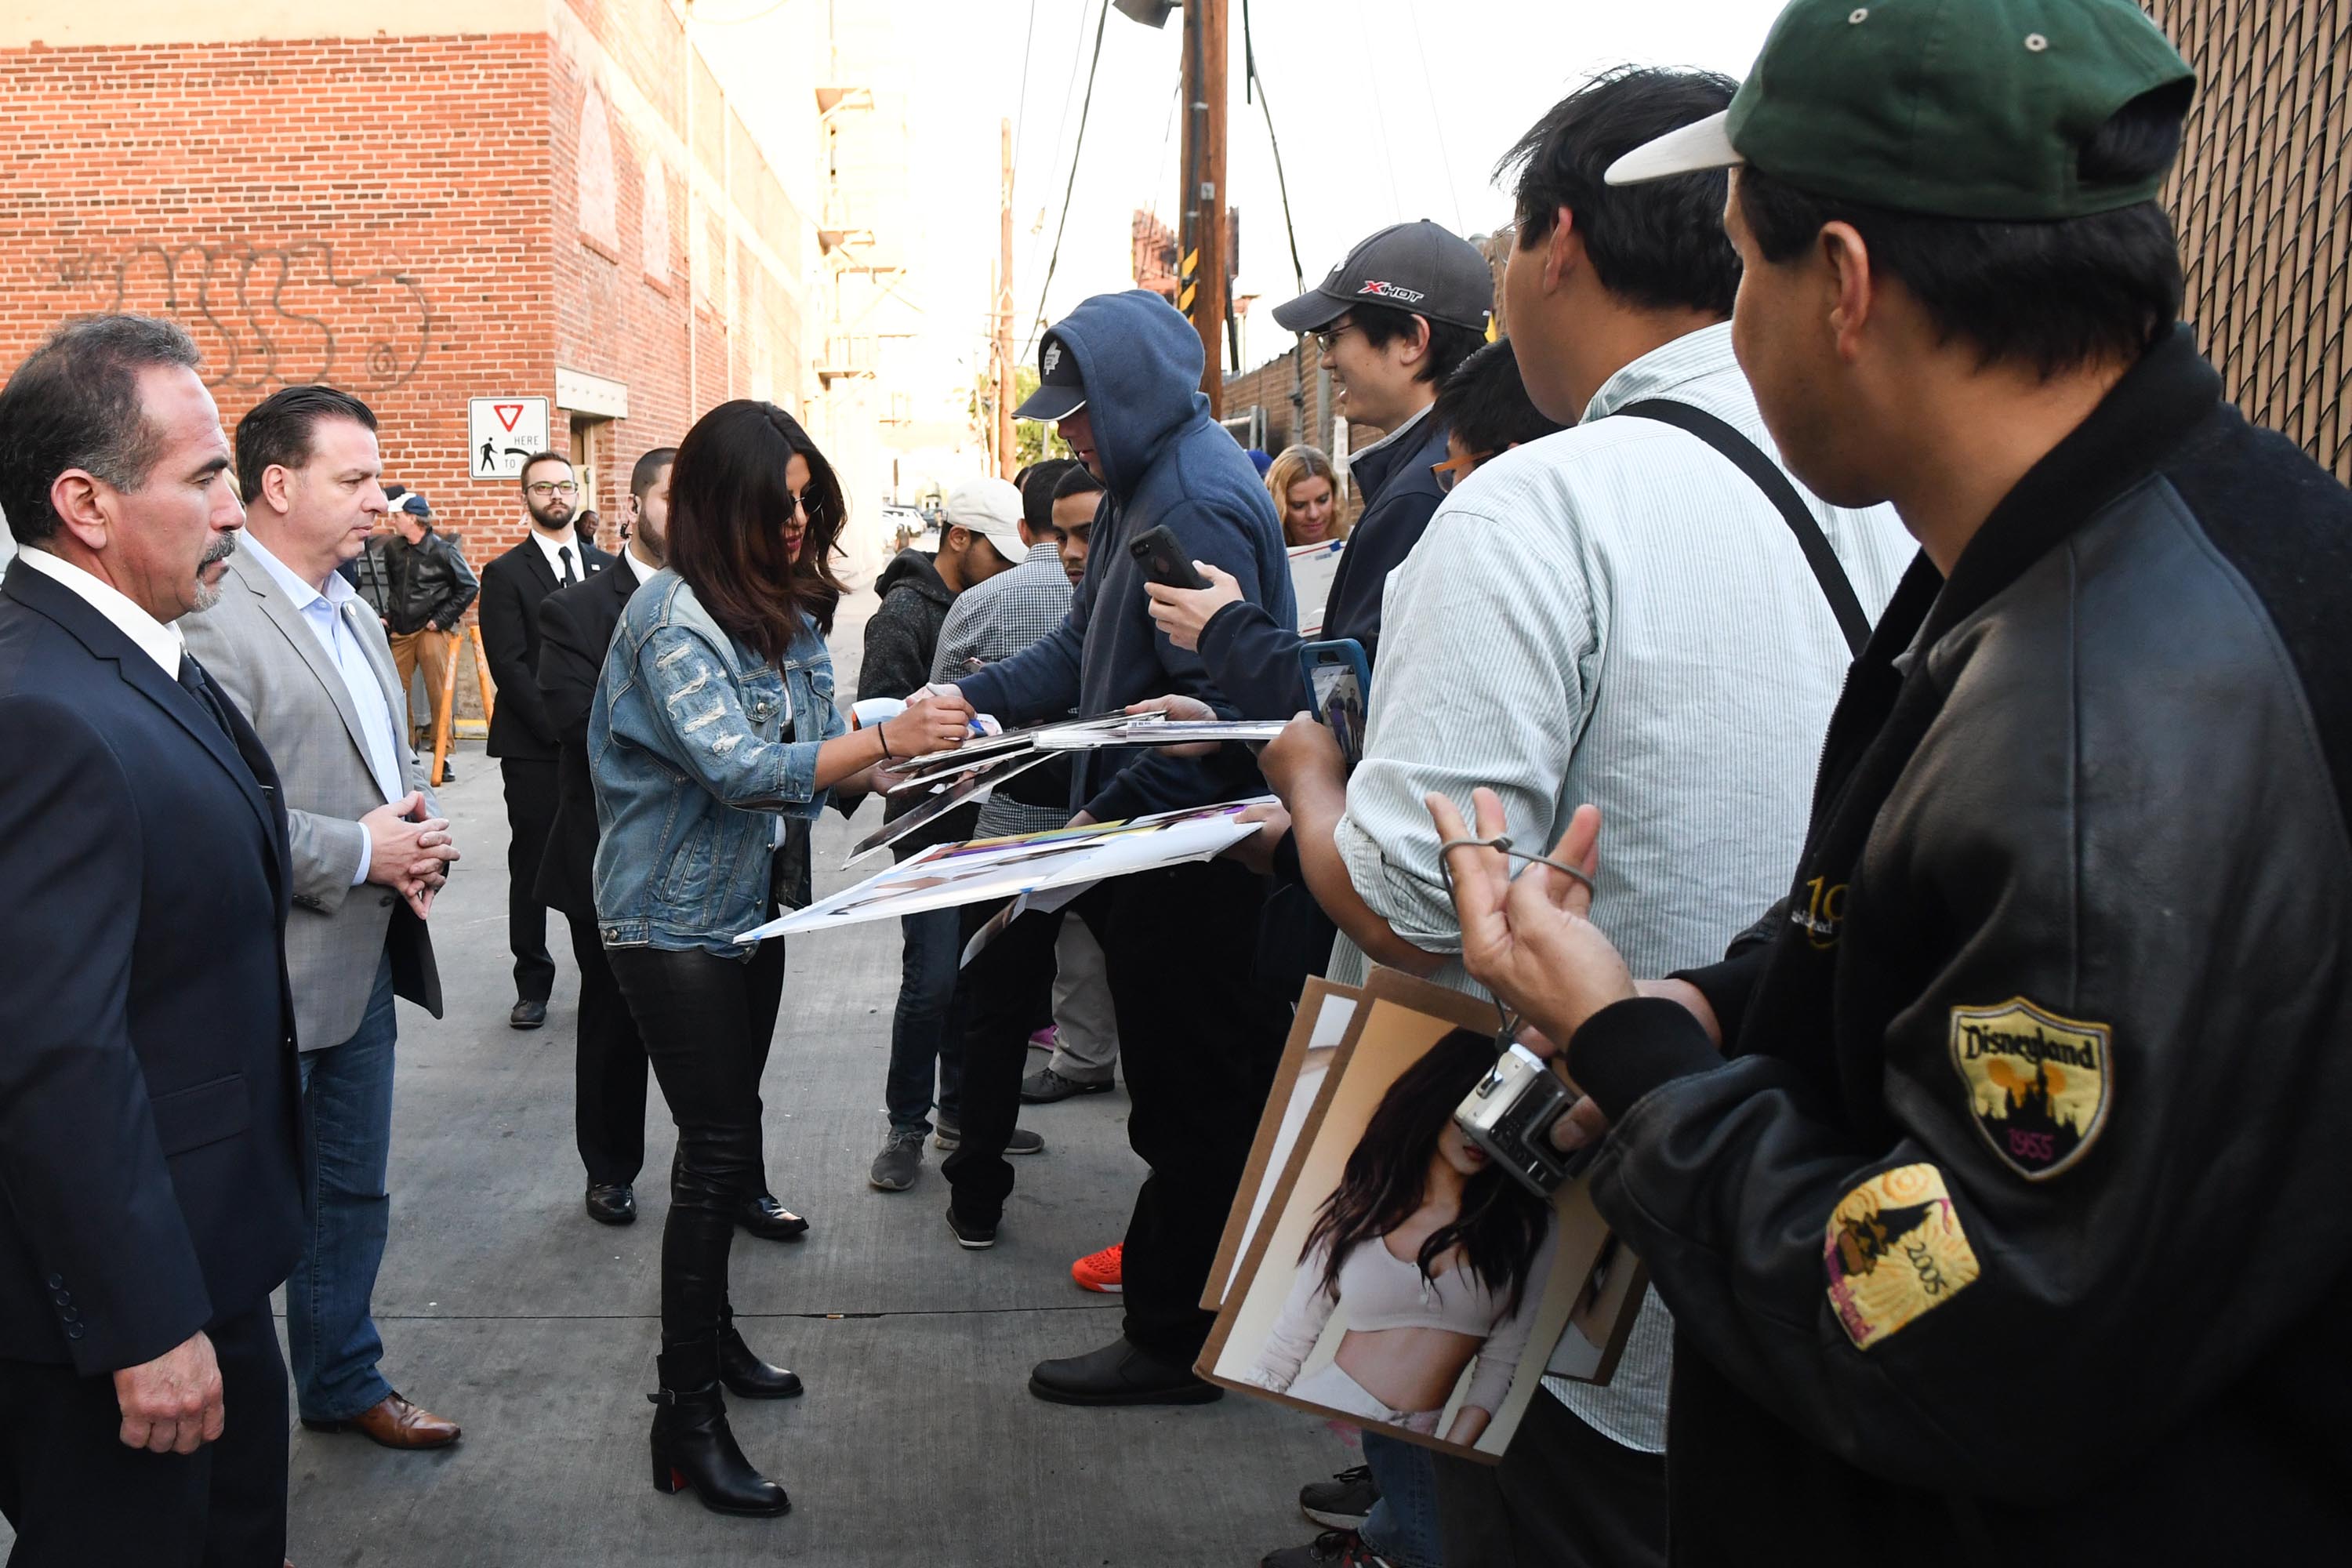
(2038, 1084)
(1896, 1252)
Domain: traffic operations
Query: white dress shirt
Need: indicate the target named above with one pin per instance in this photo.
(549, 546)
(160, 640)
(637, 569)
(328, 617)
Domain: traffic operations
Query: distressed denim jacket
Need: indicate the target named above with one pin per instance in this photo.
(697, 745)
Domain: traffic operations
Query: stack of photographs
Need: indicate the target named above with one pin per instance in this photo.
(1436, 1327)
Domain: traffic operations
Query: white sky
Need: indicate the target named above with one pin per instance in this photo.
(1387, 110)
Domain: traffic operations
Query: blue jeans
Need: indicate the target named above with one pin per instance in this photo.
(347, 1111)
(1402, 1526)
(919, 1036)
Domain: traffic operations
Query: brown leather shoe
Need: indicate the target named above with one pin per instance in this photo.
(395, 1424)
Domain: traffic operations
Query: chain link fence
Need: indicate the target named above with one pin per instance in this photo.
(2263, 201)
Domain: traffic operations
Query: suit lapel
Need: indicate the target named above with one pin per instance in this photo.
(106, 641)
(295, 629)
(536, 559)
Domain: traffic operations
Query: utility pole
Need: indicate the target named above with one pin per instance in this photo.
(1204, 285)
(1007, 456)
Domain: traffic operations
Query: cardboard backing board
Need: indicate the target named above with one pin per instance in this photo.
(1385, 1037)
(1325, 1010)
(1604, 1318)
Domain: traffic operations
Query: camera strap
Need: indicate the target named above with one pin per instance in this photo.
(1506, 1032)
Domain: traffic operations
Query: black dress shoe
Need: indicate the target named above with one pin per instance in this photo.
(769, 1220)
(612, 1203)
(1119, 1373)
(528, 1015)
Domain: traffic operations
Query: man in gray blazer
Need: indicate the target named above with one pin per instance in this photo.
(304, 658)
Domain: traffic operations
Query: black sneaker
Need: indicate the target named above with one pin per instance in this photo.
(969, 1236)
(1342, 1502)
(1332, 1549)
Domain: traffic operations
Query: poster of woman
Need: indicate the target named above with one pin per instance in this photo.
(1401, 1277)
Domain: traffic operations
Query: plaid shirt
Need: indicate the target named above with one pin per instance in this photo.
(994, 621)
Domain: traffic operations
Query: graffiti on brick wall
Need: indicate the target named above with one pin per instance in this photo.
(264, 316)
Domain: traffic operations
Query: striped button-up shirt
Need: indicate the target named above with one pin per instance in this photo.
(1615, 615)
(994, 620)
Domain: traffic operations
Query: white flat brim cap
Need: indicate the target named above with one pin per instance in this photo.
(1704, 144)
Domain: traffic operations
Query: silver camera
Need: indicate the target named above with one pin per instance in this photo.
(1510, 1115)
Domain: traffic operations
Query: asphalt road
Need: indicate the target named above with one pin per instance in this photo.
(503, 1306)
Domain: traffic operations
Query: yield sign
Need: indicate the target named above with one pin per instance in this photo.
(501, 432)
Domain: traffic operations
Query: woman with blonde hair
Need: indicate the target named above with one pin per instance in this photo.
(1306, 491)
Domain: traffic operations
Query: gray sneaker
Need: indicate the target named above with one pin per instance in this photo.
(1023, 1140)
(1046, 1086)
(1343, 1501)
(902, 1156)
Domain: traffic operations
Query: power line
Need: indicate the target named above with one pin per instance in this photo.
(1380, 122)
(1437, 120)
(1101, 17)
(1253, 85)
(1021, 107)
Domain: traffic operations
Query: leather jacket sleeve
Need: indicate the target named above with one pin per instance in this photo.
(2071, 1178)
(462, 587)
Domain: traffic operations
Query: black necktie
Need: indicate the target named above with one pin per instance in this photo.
(200, 686)
(565, 551)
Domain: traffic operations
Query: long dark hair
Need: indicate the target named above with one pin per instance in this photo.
(1501, 1226)
(728, 505)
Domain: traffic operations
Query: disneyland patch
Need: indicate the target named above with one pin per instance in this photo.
(1896, 1252)
(2037, 1083)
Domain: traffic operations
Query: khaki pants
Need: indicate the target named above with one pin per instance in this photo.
(431, 650)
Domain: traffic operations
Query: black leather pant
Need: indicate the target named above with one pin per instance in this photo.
(707, 1022)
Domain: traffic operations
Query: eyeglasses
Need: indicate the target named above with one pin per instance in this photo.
(1329, 336)
(809, 507)
(1453, 471)
(544, 489)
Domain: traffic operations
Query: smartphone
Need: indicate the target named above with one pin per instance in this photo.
(1165, 561)
(1338, 682)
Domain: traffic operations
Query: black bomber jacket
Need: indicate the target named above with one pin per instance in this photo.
(2010, 1231)
(412, 586)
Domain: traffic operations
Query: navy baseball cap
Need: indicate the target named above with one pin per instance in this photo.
(1061, 392)
(1420, 266)
(413, 502)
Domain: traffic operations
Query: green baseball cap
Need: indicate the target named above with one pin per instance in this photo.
(1965, 109)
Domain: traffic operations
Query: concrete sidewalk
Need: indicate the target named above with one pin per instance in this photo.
(506, 1309)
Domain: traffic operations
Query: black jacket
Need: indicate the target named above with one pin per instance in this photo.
(903, 631)
(575, 628)
(412, 586)
(2008, 1230)
(1254, 658)
(150, 1164)
(512, 586)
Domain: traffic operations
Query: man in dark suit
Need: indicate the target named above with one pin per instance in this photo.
(522, 736)
(149, 1148)
(576, 627)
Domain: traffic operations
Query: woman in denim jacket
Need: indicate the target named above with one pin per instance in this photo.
(714, 726)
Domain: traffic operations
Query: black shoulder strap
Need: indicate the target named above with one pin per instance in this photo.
(1767, 476)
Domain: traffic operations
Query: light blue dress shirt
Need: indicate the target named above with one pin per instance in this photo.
(328, 616)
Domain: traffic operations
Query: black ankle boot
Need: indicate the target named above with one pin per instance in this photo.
(743, 1373)
(692, 1445)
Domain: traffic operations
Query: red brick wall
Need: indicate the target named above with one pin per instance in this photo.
(376, 215)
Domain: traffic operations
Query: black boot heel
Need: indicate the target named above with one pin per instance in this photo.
(693, 1447)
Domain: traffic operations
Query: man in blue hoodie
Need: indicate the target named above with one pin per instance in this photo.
(1121, 374)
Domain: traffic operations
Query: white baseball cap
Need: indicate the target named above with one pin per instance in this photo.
(992, 509)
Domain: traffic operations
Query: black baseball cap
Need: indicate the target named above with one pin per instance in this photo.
(1418, 266)
(1961, 109)
(1061, 390)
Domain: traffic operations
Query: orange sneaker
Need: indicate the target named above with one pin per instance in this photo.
(1100, 1270)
